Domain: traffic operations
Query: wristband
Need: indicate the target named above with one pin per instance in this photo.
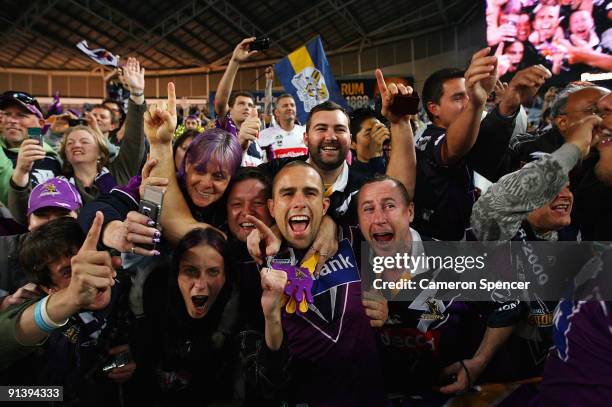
(46, 318)
(137, 94)
(40, 323)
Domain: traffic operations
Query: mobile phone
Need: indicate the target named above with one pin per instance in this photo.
(260, 44)
(151, 206)
(406, 104)
(35, 133)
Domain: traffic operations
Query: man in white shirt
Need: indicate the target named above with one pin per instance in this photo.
(286, 139)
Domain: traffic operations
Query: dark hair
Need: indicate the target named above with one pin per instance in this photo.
(215, 146)
(357, 117)
(382, 177)
(296, 163)
(198, 237)
(122, 114)
(328, 106)
(247, 173)
(180, 139)
(234, 95)
(102, 106)
(434, 86)
(48, 243)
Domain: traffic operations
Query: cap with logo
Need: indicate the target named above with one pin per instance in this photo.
(55, 192)
(21, 99)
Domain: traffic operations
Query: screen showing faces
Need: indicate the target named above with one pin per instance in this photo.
(569, 37)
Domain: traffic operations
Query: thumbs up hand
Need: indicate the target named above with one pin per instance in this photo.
(249, 131)
(93, 271)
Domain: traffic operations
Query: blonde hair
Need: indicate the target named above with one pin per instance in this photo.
(98, 138)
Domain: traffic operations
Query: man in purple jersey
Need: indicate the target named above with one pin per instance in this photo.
(579, 367)
(333, 349)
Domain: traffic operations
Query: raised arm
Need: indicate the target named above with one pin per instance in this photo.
(489, 154)
(498, 214)
(159, 124)
(480, 79)
(92, 272)
(132, 152)
(241, 54)
(268, 105)
(402, 162)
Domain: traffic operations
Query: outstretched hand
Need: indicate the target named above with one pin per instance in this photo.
(481, 76)
(242, 52)
(523, 86)
(134, 76)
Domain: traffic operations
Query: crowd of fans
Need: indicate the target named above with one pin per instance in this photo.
(208, 303)
(566, 35)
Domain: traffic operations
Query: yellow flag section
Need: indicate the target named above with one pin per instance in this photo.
(300, 59)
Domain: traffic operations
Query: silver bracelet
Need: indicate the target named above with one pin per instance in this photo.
(137, 94)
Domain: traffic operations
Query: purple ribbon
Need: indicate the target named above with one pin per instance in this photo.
(299, 282)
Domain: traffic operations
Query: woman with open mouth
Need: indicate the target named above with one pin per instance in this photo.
(189, 316)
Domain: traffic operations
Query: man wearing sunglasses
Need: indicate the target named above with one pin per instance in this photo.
(22, 155)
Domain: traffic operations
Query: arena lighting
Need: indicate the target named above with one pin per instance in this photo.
(594, 77)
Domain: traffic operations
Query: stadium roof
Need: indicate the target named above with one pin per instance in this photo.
(194, 33)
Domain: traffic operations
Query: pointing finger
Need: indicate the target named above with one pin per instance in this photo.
(91, 241)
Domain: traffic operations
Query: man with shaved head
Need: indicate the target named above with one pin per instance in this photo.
(329, 336)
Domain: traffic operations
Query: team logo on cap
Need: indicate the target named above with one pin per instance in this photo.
(49, 190)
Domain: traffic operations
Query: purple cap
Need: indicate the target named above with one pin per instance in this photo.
(54, 192)
(21, 99)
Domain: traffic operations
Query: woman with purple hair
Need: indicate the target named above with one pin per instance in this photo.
(195, 194)
(210, 161)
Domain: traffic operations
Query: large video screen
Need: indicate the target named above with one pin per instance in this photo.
(569, 37)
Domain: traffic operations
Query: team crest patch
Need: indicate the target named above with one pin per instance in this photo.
(311, 87)
(434, 313)
(49, 190)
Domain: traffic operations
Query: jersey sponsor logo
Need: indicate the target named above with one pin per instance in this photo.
(340, 269)
(410, 339)
(289, 152)
(540, 320)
